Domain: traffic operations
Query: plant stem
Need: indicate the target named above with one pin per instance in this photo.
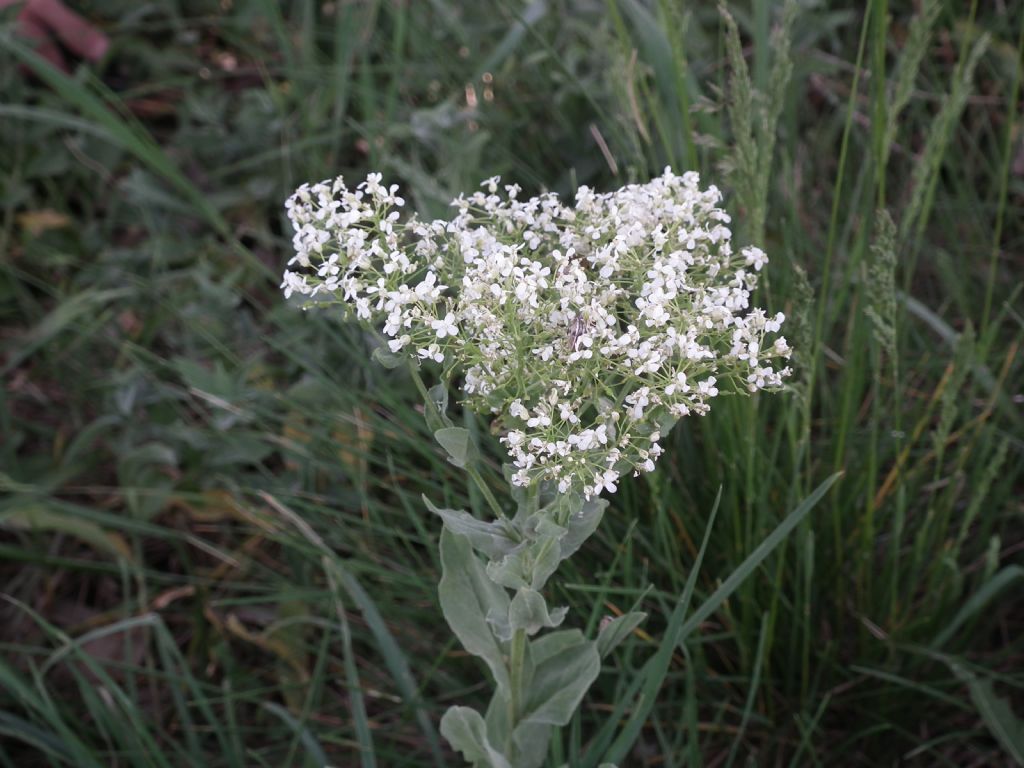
(427, 401)
(492, 502)
(516, 665)
(474, 473)
(517, 650)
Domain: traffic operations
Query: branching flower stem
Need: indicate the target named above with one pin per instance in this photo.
(472, 471)
(585, 330)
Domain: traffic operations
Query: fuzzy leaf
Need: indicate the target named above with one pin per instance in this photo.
(387, 359)
(529, 611)
(617, 630)
(531, 744)
(467, 733)
(467, 597)
(459, 444)
(543, 526)
(500, 625)
(529, 565)
(435, 410)
(565, 666)
(489, 538)
(512, 570)
(582, 524)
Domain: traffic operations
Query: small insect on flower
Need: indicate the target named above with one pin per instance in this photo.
(577, 328)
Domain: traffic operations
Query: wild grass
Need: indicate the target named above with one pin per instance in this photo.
(213, 543)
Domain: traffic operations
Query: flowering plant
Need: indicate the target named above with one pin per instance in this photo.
(586, 331)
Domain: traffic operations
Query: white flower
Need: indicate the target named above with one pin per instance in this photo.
(605, 481)
(707, 387)
(433, 352)
(445, 326)
(580, 324)
(755, 257)
(397, 345)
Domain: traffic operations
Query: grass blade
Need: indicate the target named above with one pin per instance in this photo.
(654, 672)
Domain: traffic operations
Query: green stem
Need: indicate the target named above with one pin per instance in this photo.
(428, 402)
(488, 495)
(517, 649)
(473, 472)
(516, 666)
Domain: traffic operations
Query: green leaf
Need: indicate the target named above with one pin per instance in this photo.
(147, 483)
(491, 538)
(999, 718)
(387, 359)
(512, 570)
(35, 517)
(68, 315)
(1004, 578)
(498, 727)
(617, 630)
(435, 411)
(467, 597)
(582, 524)
(467, 733)
(529, 565)
(301, 729)
(459, 444)
(357, 705)
(529, 611)
(542, 526)
(565, 666)
(531, 742)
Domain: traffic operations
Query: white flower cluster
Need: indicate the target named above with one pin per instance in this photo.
(587, 329)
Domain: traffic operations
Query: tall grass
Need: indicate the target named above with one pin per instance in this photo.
(213, 546)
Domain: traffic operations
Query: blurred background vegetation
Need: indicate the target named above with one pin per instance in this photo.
(212, 543)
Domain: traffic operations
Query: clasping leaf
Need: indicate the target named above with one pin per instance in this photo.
(467, 597)
(466, 732)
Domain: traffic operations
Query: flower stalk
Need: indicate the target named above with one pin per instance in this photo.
(585, 331)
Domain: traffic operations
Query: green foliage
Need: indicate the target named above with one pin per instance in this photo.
(468, 595)
(466, 732)
(159, 399)
(459, 445)
(617, 630)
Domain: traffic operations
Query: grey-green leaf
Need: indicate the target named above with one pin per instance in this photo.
(547, 556)
(529, 565)
(490, 538)
(387, 359)
(436, 408)
(581, 525)
(512, 570)
(459, 444)
(467, 733)
(467, 597)
(529, 611)
(531, 742)
(565, 666)
(500, 625)
(617, 630)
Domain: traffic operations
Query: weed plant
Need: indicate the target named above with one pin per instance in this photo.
(211, 536)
